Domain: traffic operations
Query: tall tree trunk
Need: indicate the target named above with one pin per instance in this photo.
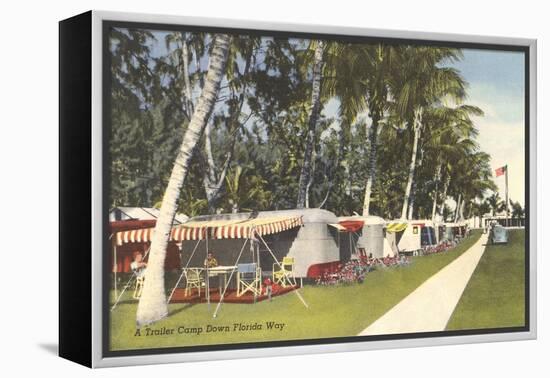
(305, 174)
(417, 123)
(214, 178)
(311, 176)
(444, 196)
(329, 189)
(371, 173)
(187, 81)
(437, 177)
(213, 182)
(152, 305)
(457, 207)
(339, 157)
(414, 186)
(461, 210)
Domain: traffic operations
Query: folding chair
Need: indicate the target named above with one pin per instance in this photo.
(284, 274)
(249, 279)
(139, 286)
(193, 279)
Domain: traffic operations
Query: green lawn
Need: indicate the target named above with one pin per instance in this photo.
(333, 311)
(495, 295)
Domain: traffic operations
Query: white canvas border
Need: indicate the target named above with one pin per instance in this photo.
(97, 184)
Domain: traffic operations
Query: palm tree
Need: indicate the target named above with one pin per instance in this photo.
(189, 46)
(448, 137)
(517, 210)
(378, 61)
(245, 48)
(343, 80)
(306, 172)
(454, 153)
(497, 204)
(233, 181)
(474, 180)
(479, 209)
(420, 82)
(152, 304)
(245, 190)
(360, 81)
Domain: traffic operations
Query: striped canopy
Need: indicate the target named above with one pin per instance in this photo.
(396, 226)
(215, 229)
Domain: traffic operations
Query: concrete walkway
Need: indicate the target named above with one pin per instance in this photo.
(430, 306)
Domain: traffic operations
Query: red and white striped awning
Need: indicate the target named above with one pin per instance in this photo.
(221, 229)
(143, 235)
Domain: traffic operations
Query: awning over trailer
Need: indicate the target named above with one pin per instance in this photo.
(337, 226)
(352, 225)
(143, 235)
(131, 224)
(396, 226)
(216, 229)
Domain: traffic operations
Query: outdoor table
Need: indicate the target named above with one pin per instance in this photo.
(221, 271)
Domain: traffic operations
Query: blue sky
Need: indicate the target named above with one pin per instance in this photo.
(497, 86)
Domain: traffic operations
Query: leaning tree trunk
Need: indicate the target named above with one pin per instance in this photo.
(186, 80)
(461, 210)
(152, 305)
(444, 196)
(437, 177)
(312, 174)
(457, 207)
(417, 127)
(213, 183)
(414, 188)
(371, 173)
(305, 174)
(330, 175)
(214, 179)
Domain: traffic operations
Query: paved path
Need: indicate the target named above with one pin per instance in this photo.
(430, 306)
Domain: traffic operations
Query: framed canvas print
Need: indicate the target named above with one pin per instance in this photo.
(232, 189)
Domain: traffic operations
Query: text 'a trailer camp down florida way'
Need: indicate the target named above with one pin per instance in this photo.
(210, 328)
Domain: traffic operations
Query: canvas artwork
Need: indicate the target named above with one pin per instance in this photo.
(270, 188)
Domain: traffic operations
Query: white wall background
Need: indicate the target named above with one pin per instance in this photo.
(28, 163)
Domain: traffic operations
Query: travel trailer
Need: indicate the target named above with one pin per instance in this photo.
(309, 239)
(412, 236)
(364, 237)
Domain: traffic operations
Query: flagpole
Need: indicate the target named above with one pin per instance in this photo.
(507, 207)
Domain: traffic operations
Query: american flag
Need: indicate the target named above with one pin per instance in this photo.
(500, 171)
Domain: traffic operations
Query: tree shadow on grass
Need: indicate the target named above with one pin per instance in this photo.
(181, 309)
(126, 301)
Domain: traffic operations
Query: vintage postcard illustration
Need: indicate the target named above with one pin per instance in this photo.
(271, 187)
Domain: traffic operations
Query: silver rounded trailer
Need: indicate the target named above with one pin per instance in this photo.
(316, 244)
(455, 231)
(449, 231)
(313, 245)
(368, 239)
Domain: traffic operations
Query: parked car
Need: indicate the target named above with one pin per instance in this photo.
(498, 235)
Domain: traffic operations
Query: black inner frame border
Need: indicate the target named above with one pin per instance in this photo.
(107, 25)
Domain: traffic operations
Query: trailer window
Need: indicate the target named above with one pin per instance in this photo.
(427, 236)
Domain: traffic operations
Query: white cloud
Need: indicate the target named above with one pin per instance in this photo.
(506, 145)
